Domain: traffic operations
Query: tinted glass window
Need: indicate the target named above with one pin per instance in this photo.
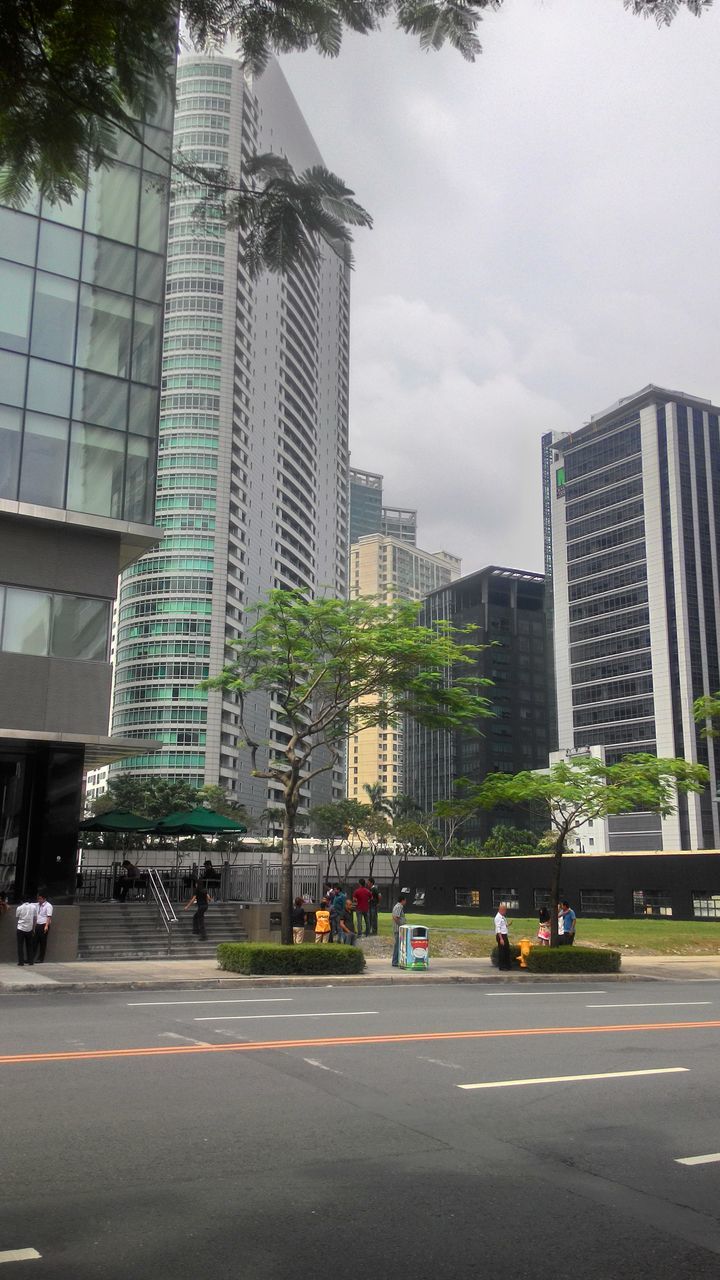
(44, 455)
(15, 300)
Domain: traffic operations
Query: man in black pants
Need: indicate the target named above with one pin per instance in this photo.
(502, 938)
(201, 900)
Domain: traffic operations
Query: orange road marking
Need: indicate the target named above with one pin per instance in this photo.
(255, 1046)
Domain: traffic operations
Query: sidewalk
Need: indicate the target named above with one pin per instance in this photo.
(159, 975)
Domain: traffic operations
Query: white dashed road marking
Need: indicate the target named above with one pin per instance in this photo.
(247, 1017)
(19, 1255)
(600, 1075)
(651, 1004)
(713, 1159)
(173, 1035)
(154, 1004)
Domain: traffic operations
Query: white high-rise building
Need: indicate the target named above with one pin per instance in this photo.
(253, 466)
(633, 553)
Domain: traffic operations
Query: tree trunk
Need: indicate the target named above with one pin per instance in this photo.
(555, 889)
(286, 866)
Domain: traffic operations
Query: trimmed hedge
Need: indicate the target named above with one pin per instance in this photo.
(515, 950)
(273, 958)
(573, 960)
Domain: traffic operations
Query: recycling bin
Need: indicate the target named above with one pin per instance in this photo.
(414, 946)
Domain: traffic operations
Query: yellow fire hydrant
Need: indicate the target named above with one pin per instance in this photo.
(525, 949)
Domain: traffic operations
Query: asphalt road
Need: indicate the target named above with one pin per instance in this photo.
(276, 1133)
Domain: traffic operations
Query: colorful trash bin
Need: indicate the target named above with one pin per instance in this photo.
(414, 946)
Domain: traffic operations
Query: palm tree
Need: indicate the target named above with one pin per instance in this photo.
(378, 799)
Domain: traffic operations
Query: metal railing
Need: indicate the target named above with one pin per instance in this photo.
(257, 882)
(159, 893)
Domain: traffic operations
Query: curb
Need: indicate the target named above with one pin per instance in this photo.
(354, 980)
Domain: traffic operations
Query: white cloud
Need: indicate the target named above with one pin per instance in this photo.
(545, 242)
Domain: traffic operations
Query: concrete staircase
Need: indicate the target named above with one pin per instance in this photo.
(134, 931)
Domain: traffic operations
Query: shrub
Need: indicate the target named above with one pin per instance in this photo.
(515, 950)
(573, 960)
(273, 958)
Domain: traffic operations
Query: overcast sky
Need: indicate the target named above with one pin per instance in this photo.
(546, 241)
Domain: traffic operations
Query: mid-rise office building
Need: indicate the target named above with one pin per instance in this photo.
(631, 531)
(388, 569)
(368, 515)
(81, 290)
(399, 523)
(253, 461)
(505, 608)
(365, 504)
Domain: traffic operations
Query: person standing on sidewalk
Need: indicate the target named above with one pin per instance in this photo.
(375, 896)
(322, 922)
(363, 898)
(25, 917)
(398, 920)
(299, 917)
(568, 921)
(42, 926)
(502, 938)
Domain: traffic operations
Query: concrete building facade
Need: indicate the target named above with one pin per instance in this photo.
(388, 569)
(632, 537)
(253, 461)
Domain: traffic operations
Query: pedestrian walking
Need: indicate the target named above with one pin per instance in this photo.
(543, 933)
(42, 926)
(398, 920)
(375, 897)
(363, 898)
(502, 938)
(569, 920)
(3, 903)
(299, 918)
(322, 922)
(201, 901)
(25, 917)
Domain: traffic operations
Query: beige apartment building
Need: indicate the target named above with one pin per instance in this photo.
(389, 569)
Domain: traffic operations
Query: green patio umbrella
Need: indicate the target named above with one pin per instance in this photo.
(198, 822)
(116, 820)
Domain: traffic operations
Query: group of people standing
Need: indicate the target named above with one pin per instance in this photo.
(32, 925)
(343, 915)
(567, 921)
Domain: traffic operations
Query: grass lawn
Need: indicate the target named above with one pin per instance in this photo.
(640, 937)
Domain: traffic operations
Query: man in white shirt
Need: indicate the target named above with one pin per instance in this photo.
(42, 926)
(25, 917)
(502, 938)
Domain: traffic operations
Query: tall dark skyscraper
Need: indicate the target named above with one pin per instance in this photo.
(631, 535)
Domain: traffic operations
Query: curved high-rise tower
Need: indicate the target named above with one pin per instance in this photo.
(252, 471)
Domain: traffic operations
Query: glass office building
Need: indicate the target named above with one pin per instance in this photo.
(632, 540)
(81, 297)
(505, 609)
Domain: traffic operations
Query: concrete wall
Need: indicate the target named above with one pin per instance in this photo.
(54, 695)
(38, 554)
(62, 943)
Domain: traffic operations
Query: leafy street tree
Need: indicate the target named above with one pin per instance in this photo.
(336, 667)
(509, 842)
(707, 713)
(328, 823)
(152, 796)
(579, 789)
(217, 799)
(76, 76)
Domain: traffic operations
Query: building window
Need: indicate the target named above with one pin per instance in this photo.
(541, 898)
(467, 897)
(652, 902)
(419, 898)
(706, 906)
(54, 625)
(600, 902)
(510, 897)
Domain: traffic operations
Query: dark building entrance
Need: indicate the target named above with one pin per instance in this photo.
(40, 801)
